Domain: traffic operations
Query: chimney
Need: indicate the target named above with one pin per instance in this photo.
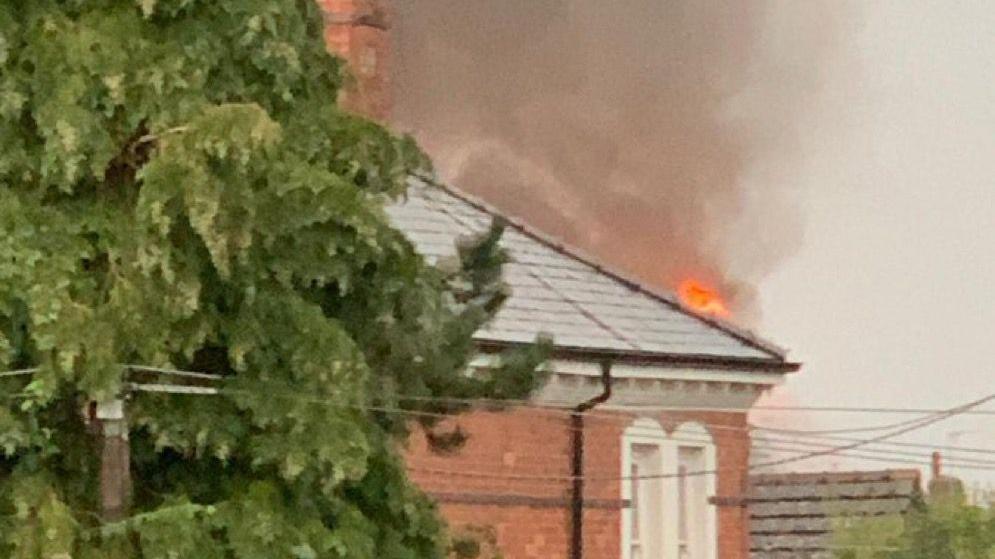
(358, 31)
(942, 487)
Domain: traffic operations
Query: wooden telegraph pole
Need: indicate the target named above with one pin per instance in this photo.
(111, 423)
(115, 460)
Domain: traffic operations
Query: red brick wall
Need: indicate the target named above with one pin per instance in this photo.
(357, 31)
(491, 480)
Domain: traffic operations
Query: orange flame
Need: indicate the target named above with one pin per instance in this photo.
(702, 299)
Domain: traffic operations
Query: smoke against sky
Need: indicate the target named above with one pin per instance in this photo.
(836, 156)
(635, 130)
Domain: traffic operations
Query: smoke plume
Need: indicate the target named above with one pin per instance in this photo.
(648, 132)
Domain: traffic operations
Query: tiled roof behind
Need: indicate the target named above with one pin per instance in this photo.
(792, 515)
(555, 292)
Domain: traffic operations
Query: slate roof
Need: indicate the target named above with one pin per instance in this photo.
(556, 291)
(792, 515)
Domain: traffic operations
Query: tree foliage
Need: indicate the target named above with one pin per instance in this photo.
(178, 188)
(941, 529)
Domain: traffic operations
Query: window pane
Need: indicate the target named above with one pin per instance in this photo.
(682, 503)
(692, 502)
(645, 512)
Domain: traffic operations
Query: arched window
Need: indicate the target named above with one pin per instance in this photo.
(667, 481)
(644, 450)
(695, 484)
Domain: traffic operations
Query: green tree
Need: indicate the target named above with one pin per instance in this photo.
(943, 529)
(178, 188)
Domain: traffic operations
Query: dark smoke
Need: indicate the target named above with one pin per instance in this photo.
(646, 132)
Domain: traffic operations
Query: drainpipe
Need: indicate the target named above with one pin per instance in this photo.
(577, 462)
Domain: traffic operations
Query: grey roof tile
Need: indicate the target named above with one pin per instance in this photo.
(557, 292)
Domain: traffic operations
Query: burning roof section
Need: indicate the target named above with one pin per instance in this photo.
(585, 307)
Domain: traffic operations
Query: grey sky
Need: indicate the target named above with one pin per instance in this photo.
(891, 298)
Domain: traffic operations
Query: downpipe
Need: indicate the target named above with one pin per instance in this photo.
(577, 461)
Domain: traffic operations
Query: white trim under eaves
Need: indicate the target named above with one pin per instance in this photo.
(625, 370)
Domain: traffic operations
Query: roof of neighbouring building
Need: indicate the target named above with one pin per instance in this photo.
(792, 515)
(583, 305)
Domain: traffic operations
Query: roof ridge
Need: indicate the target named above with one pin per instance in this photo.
(830, 477)
(742, 334)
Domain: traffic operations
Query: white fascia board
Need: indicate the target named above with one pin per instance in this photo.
(626, 370)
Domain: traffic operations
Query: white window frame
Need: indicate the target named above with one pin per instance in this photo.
(647, 432)
(694, 435)
(644, 433)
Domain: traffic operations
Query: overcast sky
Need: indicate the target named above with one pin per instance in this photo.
(890, 299)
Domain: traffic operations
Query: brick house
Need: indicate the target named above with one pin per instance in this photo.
(667, 365)
(664, 460)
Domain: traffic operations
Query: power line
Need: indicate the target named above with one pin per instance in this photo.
(845, 430)
(211, 391)
(515, 403)
(839, 449)
(885, 459)
(830, 450)
(463, 472)
(416, 413)
(616, 415)
(891, 434)
(908, 426)
(611, 478)
(760, 442)
(160, 388)
(609, 415)
(717, 471)
(637, 407)
(902, 444)
(620, 417)
(847, 409)
(654, 407)
(615, 478)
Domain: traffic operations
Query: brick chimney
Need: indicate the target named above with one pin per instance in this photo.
(943, 487)
(358, 31)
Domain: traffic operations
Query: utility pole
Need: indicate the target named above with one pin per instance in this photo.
(111, 425)
(115, 460)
